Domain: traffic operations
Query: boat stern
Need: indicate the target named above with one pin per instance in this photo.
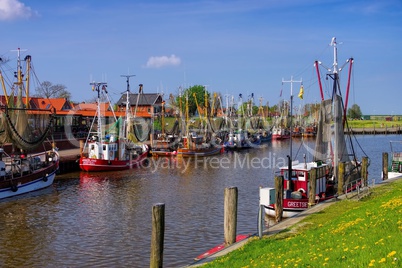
(267, 196)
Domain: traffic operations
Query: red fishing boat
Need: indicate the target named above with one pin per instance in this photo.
(330, 150)
(111, 150)
(280, 133)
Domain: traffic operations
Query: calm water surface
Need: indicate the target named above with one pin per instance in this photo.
(104, 219)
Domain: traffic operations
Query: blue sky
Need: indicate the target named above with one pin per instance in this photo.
(232, 47)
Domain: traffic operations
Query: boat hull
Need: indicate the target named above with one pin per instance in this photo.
(280, 137)
(165, 153)
(93, 164)
(37, 180)
(290, 208)
(201, 152)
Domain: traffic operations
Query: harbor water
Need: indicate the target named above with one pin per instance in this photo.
(104, 219)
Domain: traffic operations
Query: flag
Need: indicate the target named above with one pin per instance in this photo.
(301, 92)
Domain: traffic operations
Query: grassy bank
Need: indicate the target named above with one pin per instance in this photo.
(373, 123)
(349, 233)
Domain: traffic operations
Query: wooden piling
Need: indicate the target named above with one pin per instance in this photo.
(158, 232)
(341, 178)
(278, 198)
(365, 170)
(311, 191)
(230, 215)
(385, 166)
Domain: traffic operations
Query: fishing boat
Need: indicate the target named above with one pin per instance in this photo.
(264, 135)
(198, 149)
(310, 131)
(111, 150)
(330, 149)
(297, 132)
(165, 145)
(25, 167)
(166, 142)
(196, 144)
(241, 139)
(244, 131)
(280, 133)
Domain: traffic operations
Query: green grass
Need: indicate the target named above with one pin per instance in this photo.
(373, 123)
(349, 233)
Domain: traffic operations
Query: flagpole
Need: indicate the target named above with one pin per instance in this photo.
(291, 81)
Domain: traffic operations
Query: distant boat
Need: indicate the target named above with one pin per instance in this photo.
(241, 139)
(22, 170)
(265, 135)
(166, 143)
(310, 131)
(196, 145)
(330, 150)
(297, 132)
(111, 151)
(280, 133)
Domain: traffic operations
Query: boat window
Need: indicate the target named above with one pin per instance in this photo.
(104, 147)
(300, 174)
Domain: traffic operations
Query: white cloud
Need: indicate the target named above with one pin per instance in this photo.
(158, 62)
(14, 10)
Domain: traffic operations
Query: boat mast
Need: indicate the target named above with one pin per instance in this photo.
(96, 86)
(187, 124)
(316, 63)
(19, 76)
(127, 91)
(350, 61)
(126, 122)
(291, 81)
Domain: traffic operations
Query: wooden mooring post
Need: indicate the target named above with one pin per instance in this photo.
(384, 166)
(365, 170)
(230, 215)
(311, 190)
(158, 233)
(278, 198)
(341, 178)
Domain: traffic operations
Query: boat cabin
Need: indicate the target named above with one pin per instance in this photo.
(298, 183)
(107, 150)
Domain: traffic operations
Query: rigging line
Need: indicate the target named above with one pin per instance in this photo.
(324, 50)
(298, 150)
(351, 143)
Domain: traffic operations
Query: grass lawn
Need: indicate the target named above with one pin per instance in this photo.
(349, 233)
(373, 124)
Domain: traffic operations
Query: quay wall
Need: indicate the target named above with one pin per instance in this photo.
(374, 131)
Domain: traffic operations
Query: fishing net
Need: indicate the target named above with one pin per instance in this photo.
(26, 129)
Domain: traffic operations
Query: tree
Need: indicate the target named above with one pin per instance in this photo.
(48, 90)
(354, 112)
(199, 92)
